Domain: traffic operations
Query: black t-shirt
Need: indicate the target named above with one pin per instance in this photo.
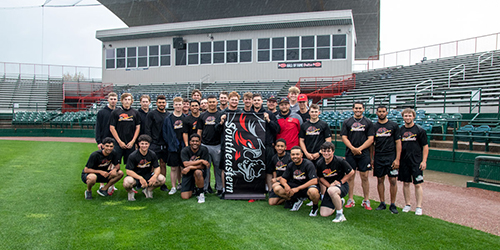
(154, 126)
(385, 138)
(143, 116)
(314, 134)
(412, 142)
(190, 125)
(207, 122)
(178, 126)
(98, 161)
(142, 164)
(357, 131)
(297, 175)
(188, 155)
(125, 121)
(305, 116)
(335, 170)
(278, 164)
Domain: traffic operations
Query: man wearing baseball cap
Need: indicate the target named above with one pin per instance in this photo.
(303, 109)
(272, 103)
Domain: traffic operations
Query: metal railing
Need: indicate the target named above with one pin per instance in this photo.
(41, 71)
(477, 166)
(479, 61)
(454, 68)
(431, 86)
(475, 96)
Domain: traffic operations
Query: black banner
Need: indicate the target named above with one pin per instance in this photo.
(299, 65)
(244, 155)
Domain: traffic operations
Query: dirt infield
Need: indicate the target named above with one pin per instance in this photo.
(445, 196)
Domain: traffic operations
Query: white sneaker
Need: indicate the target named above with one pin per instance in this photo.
(418, 211)
(131, 196)
(114, 188)
(406, 209)
(339, 218)
(148, 193)
(297, 205)
(179, 186)
(309, 204)
(201, 198)
(172, 191)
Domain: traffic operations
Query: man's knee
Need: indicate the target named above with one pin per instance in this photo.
(381, 180)
(325, 211)
(313, 193)
(393, 181)
(186, 195)
(91, 178)
(160, 180)
(128, 182)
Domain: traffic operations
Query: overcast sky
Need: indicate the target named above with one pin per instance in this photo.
(66, 36)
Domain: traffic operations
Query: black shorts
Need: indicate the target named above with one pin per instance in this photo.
(409, 173)
(100, 178)
(382, 166)
(146, 177)
(360, 163)
(188, 181)
(160, 151)
(272, 194)
(174, 159)
(303, 192)
(327, 200)
(123, 153)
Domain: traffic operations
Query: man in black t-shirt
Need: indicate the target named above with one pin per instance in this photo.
(333, 173)
(211, 138)
(196, 159)
(125, 125)
(103, 166)
(144, 101)
(357, 135)
(313, 133)
(385, 153)
(191, 121)
(173, 128)
(414, 152)
(143, 170)
(275, 169)
(154, 128)
(303, 109)
(299, 182)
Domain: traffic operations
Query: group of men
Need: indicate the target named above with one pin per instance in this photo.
(299, 153)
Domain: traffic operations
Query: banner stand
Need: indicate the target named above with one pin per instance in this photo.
(244, 196)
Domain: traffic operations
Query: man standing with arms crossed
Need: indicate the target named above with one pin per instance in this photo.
(385, 154)
(414, 152)
(154, 128)
(357, 134)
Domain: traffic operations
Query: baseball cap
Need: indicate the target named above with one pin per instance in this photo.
(272, 98)
(302, 98)
(284, 99)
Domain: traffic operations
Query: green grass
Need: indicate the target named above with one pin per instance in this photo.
(42, 206)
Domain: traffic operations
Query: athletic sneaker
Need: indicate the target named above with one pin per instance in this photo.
(133, 190)
(220, 193)
(406, 209)
(102, 192)
(314, 211)
(309, 204)
(288, 204)
(88, 195)
(111, 191)
(366, 205)
(179, 186)
(418, 211)
(147, 193)
(164, 188)
(114, 188)
(382, 206)
(393, 209)
(131, 196)
(297, 205)
(211, 191)
(339, 218)
(172, 191)
(201, 198)
(350, 203)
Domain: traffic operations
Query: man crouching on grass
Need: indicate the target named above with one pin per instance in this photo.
(299, 182)
(143, 170)
(103, 166)
(195, 159)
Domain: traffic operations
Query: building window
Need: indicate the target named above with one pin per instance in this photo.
(246, 50)
(263, 49)
(278, 48)
(142, 56)
(165, 55)
(307, 48)
(154, 53)
(120, 58)
(193, 53)
(180, 56)
(219, 52)
(110, 58)
(206, 53)
(232, 51)
(323, 47)
(131, 57)
(292, 48)
(339, 46)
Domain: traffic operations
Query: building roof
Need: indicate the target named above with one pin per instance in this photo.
(134, 13)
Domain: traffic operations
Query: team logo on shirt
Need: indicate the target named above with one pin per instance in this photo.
(299, 175)
(311, 130)
(178, 124)
(194, 124)
(280, 166)
(409, 136)
(329, 173)
(383, 132)
(104, 163)
(357, 127)
(290, 119)
(125, 117)
(194, 158)
(210, 120)
(144, 164)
